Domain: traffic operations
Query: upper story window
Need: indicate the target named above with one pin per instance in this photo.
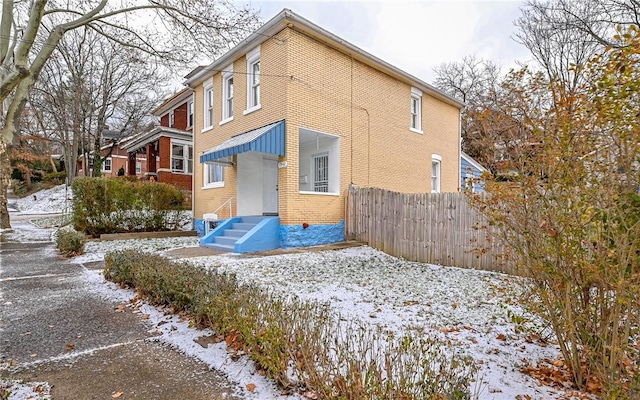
(416, 110)
(181, 157)
(436, 168)
(190, 113)
(227, 94)
(253, 80)
(208, 106)
(172, 119)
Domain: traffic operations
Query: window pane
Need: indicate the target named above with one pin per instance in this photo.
(208, 98)
(177, 150)
(177, 164)
(415, 122)
(214, 173)
(435, 176)
(256, 73)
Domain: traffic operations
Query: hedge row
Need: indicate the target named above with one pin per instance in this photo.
(108, 205)
(302, 345)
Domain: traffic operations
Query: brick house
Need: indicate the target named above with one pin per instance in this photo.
(167, 148)
(117, 158)
(294, 115)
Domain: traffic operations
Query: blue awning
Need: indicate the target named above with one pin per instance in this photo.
(267, 139)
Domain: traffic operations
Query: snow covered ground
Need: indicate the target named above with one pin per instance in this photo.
(56, 200)
(475, 312)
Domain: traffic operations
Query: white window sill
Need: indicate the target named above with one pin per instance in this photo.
(214, 185)
(181, 173)
(224, 121)
(252, 109)
(320, 193)
(416, 130)
(206, 128)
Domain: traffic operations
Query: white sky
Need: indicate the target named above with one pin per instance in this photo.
(416, 36)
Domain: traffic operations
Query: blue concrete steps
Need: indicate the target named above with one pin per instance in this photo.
(244, 234)
(245, 226)
(222, 247)
(235, 232)
(225, 240)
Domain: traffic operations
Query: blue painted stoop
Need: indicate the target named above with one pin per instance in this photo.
(244, 235)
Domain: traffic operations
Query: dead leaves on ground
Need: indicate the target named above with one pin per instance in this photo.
(557, 373)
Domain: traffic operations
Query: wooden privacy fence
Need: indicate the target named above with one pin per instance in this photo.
(436, 228)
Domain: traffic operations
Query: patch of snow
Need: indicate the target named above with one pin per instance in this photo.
(95, 250)
(180, 335)
(19, 390)
(467, 309)
(56, 200)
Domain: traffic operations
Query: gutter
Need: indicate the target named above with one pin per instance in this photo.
(287, 18)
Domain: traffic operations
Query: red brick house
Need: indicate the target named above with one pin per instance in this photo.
(117, 158)
(167, 148)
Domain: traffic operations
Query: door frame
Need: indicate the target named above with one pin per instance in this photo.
(270, 170)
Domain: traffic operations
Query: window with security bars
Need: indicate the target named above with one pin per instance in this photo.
(321, 173)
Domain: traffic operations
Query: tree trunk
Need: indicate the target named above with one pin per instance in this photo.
(5, 178)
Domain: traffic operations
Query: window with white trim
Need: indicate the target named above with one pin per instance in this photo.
(320, 171)
(253, 80)
(172, 119)
(227, 94)
(106, 164)
(190, 114)
(436, 172)
(416, 110)
(213, 175)
(181, 157)
(138, 167)
(208, 106)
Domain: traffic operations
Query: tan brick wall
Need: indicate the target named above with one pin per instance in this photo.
(370, 111)
(314, 86)
(273, 84)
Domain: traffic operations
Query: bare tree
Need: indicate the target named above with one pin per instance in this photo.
(563, 35)
(172, 31)
(477, 83)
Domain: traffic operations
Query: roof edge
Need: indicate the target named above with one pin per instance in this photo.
(287, 18)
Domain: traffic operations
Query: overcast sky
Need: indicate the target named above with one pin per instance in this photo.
(416, 35)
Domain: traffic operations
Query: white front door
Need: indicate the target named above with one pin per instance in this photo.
(270, 187)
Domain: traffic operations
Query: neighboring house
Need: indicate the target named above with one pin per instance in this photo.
(117, 158)
(168, 148)
(292, 117)
(470, 172)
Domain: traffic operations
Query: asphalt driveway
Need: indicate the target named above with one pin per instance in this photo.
(54, 329)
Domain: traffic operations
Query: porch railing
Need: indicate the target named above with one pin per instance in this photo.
(229, 203)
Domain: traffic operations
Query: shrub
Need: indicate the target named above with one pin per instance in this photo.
(55, 178)
(300, 344)
(105, 205)
(570, 218)
(70, 243)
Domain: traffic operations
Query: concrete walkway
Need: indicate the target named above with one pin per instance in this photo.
(54, 329)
